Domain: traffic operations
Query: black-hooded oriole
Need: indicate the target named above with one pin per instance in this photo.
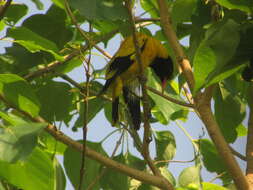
(123, 70)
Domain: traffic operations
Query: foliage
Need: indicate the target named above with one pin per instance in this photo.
(46, 46)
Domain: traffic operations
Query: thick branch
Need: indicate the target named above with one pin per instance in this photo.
(202, 102)
(174, 43)
(58, 135)
(206, 115)
(249, 147)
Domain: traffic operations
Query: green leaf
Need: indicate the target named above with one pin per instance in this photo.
(23, 59)
(182, 10)
(229, 113)
(216, 49)
(165, 107)
(33, 42)
(17, 142)
(211, 158)
(19, 93)
(151, 7)
(113, 179)
(38, 4)
(59, 3)
(168, 175)
(190, 175)
(69, 66)
(203, 55)
(41, 24)
(16, 12)
(36, 172)
(165, 145)
(211, 186)
(51, 145)
(243, 5)
(100, 10)
(56, 100)
(72, 164)
(60, 178)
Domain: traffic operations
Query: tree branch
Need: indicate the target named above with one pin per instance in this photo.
(58, 135)
(173, 100)
(202, 102)
(4, 8)
(174, 43)
(249, 146)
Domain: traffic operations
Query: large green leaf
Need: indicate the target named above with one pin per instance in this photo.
(37, 172)
(100, 10)
(41, 24)
(114, 180)
(229, 113)
(165, 145)
(188, 176)
(211, 158)
(72, 165)
(15, 13)
(182, 10)
(17, 142)
(243, 5)
(215, 51)
(23, 59)
(19, 93)
(60, 179)
(33, 42)
(56, 100)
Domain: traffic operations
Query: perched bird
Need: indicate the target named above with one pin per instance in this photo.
(123, 70)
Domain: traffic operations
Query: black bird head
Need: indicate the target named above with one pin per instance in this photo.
(163, 68)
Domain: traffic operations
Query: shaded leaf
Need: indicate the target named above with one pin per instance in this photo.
(165, 145)
(182, 10)
(56, 100)
(19, 93)
(101, 10)
(243, 5)
(72, 165)
(16, 12)
(211, 158)
(229, 113)
(33, 42)
(17, 142)
(37, 172)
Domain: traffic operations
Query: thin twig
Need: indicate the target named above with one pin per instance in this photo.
(181, 103)
(4, 8)
(175, 161)
(216, 177)
(239, 155)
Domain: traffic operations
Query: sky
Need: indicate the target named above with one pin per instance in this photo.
(99, 126)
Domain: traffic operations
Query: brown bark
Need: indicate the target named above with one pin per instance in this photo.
(249, 147)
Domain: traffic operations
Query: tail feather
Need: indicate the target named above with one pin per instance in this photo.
(133, 104)
(115, 111)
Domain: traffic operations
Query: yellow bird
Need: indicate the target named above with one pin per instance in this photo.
(123, 70)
